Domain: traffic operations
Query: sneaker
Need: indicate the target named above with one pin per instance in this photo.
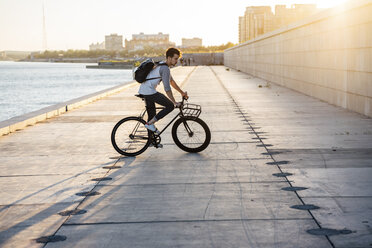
(152, 127)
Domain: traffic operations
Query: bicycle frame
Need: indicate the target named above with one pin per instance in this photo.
(141, 138)
(178, 115)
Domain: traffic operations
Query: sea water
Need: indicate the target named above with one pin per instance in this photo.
(30, 86)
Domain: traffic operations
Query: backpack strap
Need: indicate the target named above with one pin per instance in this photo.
(157, 64)
(161, 63)
(152, 78)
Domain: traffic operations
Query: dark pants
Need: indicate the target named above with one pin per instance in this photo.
(161, 100)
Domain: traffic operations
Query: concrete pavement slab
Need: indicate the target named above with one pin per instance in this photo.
(188, 202)
(25, 215)
(39, 165)
(22, 224)
(253, 233)
(188, 172)
(354, 213)
(326, 158)
(45, 189)
(333, 181)
(215, 151)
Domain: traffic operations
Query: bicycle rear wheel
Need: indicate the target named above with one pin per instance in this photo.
(191, 134)
(130, 137)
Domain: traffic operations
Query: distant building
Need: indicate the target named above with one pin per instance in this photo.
(141, 40)
(258, 20)
(97, 46)
(114, 42)
(242, 29)
(194, 42)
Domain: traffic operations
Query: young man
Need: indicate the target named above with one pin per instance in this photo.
(148, 89)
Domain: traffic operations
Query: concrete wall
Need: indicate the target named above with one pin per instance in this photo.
(327, 56)
(203, 58)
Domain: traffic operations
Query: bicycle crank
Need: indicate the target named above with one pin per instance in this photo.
(155, 140)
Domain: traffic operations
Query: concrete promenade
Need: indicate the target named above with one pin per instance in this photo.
(230, 195)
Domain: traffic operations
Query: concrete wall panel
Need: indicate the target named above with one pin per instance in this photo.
(327, 56)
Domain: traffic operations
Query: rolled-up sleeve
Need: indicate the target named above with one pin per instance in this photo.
(165, 77)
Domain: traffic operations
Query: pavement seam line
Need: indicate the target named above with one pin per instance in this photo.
(179, 221)
(205, 183)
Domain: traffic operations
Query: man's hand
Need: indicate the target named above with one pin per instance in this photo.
(184, 95)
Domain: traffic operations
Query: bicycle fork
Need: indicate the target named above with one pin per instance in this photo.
(188, 129)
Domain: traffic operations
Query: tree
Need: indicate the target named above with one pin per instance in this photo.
(147, 51)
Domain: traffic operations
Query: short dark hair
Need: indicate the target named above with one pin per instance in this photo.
(171, 52)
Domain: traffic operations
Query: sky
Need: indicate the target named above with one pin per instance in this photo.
(75, 24)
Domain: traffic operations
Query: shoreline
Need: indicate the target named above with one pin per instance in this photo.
(51, 62)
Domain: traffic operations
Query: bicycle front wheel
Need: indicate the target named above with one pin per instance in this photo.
(130, 137)
(191, 134)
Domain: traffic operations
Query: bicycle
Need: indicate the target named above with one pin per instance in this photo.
(130, 137)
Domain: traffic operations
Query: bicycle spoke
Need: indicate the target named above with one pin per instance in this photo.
(198, 134)
(191, 134)
(130, 136)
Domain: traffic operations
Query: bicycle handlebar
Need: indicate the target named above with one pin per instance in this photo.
(183, 101)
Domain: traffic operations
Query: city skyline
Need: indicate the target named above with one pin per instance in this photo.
(77, 24)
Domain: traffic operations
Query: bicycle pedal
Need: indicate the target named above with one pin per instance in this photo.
(159, 146)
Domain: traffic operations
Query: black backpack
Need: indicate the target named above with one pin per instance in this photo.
(144, 69)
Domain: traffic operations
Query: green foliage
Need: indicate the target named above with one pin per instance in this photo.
(75, 54)
(147, 51)
(208, 49)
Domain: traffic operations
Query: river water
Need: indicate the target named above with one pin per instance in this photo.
(30, 86)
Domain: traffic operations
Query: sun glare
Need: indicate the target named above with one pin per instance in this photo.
(330, 3)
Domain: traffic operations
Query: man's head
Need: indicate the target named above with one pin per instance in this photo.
(172, 55)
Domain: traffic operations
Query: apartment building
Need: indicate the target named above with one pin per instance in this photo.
(258, 20)
(114, 42)
(141, 40)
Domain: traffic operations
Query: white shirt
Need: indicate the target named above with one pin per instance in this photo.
(160, 73)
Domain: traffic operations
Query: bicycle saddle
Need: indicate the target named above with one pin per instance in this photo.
(140, 96)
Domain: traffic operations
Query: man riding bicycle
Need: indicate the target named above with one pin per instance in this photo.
(132, 135)
(161, 72)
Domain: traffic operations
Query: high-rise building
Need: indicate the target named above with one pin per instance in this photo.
(285, 16)
(114, 42)
(258, 20)
(242, 30)
(194, 42)
(141, 40)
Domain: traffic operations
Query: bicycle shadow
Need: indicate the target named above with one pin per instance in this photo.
(10, 232)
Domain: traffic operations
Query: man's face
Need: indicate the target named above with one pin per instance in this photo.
(173, 60)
